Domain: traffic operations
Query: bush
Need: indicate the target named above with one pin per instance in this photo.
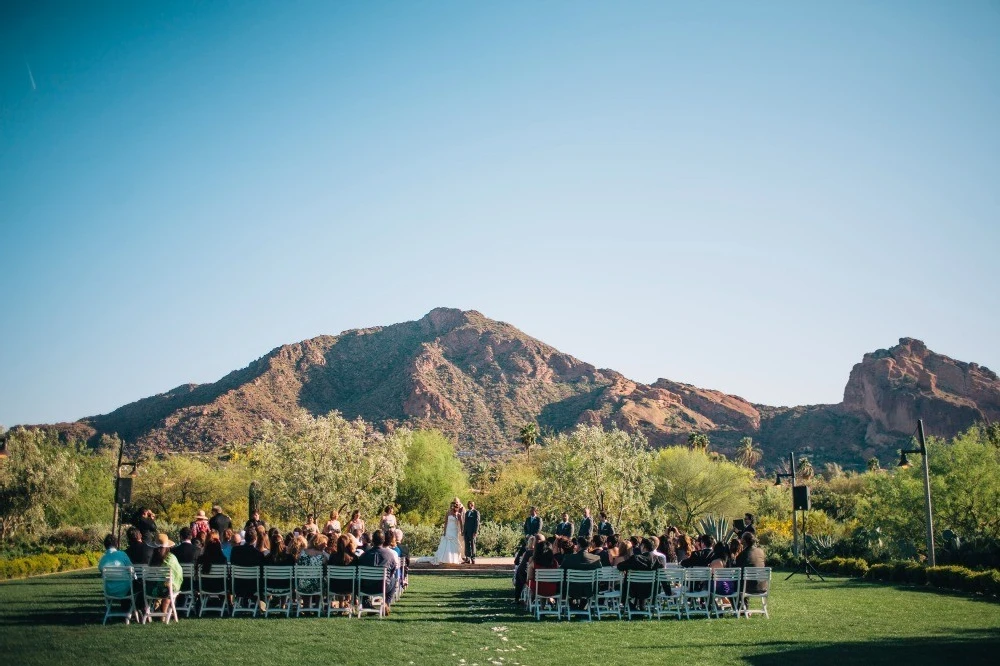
(422, 540)
(34, 565)
(880, 572)
(498, 540)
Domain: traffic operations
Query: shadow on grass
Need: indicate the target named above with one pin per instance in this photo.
(970, 646)
(923, 589)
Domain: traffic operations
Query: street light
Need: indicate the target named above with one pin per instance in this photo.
(904, 463)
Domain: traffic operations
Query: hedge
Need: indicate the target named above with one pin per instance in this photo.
(33, 565)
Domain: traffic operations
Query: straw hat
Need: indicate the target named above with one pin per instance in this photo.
(201, 515)
(163, 541)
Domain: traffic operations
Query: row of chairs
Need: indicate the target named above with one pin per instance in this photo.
(268, 590)
(673, 591)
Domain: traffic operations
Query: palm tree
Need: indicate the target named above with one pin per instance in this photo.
(806, 470)
(529, 435)
(874, 465)
(747, 453)
(698, 442)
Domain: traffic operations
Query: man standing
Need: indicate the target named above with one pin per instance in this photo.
(533, 523)
(219, 521)
(565, 528)
(470, 531)
(604, 527)
(586, 525)
(146, 523)
(254, 523)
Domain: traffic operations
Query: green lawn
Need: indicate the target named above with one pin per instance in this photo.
(468, 621)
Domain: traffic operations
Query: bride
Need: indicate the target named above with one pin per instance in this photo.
(451, 547)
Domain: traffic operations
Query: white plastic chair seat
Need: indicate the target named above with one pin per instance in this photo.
(371, 588)
(756, 575)
(309, 589)
(640, 593)
(278, 581)
(727, 603)
(246, 589)
(186, 595)
(671, 578)
(158, 588)
(609, 592)
(213, 590)
(339, 577)
(548, 604)
(697, 592)
(119, 577)
(577, 581)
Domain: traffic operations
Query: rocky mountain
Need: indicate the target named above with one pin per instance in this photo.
(480, 380)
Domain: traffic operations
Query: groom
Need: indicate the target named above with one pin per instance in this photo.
(470, 531)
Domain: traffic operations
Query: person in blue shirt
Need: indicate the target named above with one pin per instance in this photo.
(114, 558)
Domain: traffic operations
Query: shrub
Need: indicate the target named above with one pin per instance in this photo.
(421, 539)
(498, 540)
(879, 572)
(34, 565)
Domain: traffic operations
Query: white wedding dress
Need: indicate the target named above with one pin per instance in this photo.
(451, 548)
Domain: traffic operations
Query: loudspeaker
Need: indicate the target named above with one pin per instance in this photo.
(124, 491)
(800, 498)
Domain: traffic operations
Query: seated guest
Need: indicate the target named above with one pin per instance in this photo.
(666, 547)
(401, 549)
(735, 548)
(685, 546)
(343, 556)
(599, 546)
(137, 551)
(639, 561)
(246, 554)
(702, 556)
(163, 557)
(378, 555)
(561, 546)
(277, 556)
(521, 563)
(543, 558)
(581, 559)
(624, 552)
(212, 557)
(315, 552)
(719, 560)
(656, 554)
(113, 557)
(185, 552)
(229, 539)
(263, 543)
(752, 556)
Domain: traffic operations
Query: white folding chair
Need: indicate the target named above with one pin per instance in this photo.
(213, 590)
(372, 590)
(278, 589)
(185, 598)
(341, 585)
(582, 585)
(697, 592)
(548, 604)
(309, 589)
(723, 602)
(640, 593)
(670, 595)
(159, 590)
(117, 587)
(245, 589)
(755, 578)
(609, 592)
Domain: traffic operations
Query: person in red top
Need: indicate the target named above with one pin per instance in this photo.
(542, 559)
(200, 525)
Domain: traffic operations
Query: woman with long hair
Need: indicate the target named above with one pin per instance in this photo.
(333, 525)
(451, 548)
(388, 519)
(263, 543)
(356, 526)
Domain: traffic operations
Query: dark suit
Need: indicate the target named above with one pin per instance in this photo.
(699, 558)
(639, 562)
(586, 528)
(581, 561)
(564, 529)
(186, 552)
(470, 530)
(605, 528)
(220, 522)
(245, 555)
(533, 525)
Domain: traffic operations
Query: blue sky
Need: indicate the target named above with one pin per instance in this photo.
(744, 196)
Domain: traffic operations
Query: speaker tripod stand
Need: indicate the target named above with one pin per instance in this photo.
(805, 566)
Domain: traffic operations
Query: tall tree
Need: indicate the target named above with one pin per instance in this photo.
(748, 454)
(698, 441)
(433, 474)
(316, 464)
(806, 470)
(689, 485)
(529, 436)
(36, 472)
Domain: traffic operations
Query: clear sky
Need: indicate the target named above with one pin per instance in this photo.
(745, 196)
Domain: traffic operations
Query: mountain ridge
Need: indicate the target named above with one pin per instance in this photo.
(479, 380)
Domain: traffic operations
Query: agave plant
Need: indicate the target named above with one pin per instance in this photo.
(820, 546)
(716, 526)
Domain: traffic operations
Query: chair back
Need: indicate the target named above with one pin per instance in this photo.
(246, 580)
(756, 579)
(308, 579)
(117, 582)
(278, 579)
(696, 580)
(581, 584)
(158, 582)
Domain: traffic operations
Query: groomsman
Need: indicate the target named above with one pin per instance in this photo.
(586, 525)
(470, 531)
(533, 523)
(604, 527)
(565, 528)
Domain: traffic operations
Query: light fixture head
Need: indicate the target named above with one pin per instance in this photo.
(777, 480)
(903, 462)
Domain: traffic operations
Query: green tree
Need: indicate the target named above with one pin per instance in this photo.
(688, 485)
(529, 436)
(93, 501)
(315, 464)
(176, 485)
(698, 441)
(508, 495)
(605, 470)
(874, 465)
(432, 475)
(806, 470)
(748, 454)
(37, 472)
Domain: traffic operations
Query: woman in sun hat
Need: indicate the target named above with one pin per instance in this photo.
(162, 557)
(200, 525)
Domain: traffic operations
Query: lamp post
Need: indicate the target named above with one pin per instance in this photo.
(777, 481)
(903, 462)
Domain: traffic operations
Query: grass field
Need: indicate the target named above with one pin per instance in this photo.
(468, 621)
